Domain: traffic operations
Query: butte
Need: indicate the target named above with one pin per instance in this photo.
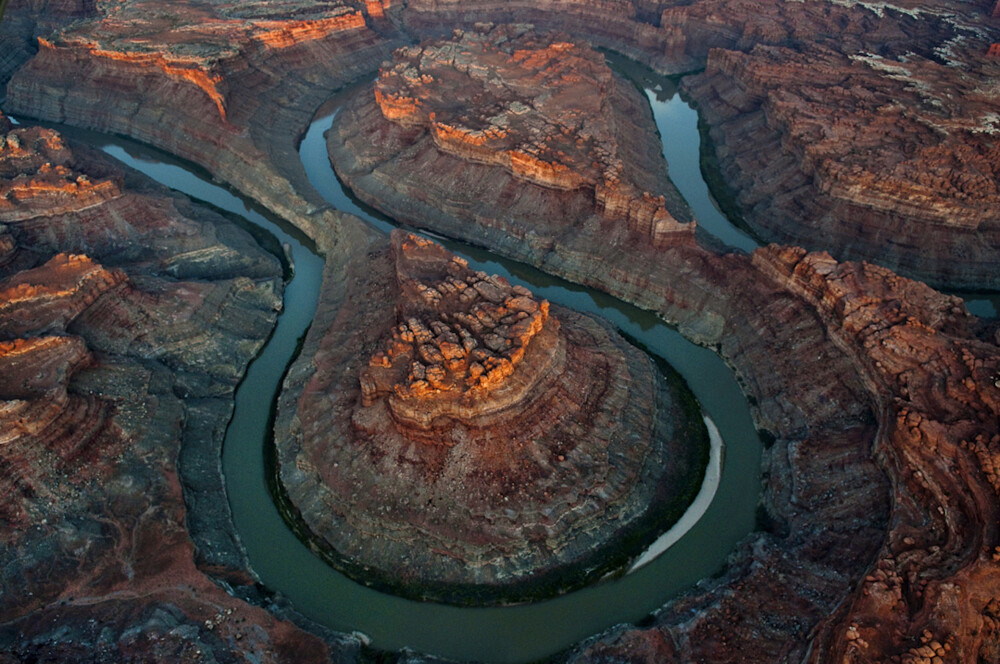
(459, 439)
(533, 142)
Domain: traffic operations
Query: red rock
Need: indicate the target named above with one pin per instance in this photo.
(868, 168)
(554, 116)
(480, 462)
(210, 84)
(538, 92)
(38, 365)
(98, 564)
(437, 304)
(920, 359)
(812, 368)
(50, 297)
(631, 28)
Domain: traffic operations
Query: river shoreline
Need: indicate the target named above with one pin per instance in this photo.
(485, 265)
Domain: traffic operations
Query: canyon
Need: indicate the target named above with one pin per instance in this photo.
(129, 315)
(391, 163)
(577, 161)
(864, 130)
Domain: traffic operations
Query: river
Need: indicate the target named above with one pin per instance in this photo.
(507, 634)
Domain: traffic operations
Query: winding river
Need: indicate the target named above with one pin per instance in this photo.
(696, 547)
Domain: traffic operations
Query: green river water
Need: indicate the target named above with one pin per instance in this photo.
(507, 634)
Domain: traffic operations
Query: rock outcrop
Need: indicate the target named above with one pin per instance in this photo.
(929, 372)
(859, 557)
(501, 449)
(895, 166)
(632, 28)
(22, 23)
(864, 155)
(458, 351)
(537, 127)
(797, 329)
(127, 316)
(229, 87)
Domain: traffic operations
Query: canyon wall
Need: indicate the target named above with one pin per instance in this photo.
(232, 94)
(847, 364)
(930, 372)
(811, 160)
(127, 318)
(897, 163)
(877, 536)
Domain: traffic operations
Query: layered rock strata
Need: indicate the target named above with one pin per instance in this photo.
(631, 28)
(22, 23)
(536, 126)
(676, 38)
(497, 448)
(229, 87)
(894, 166)
(890, 158)
(127, 317)
(931, 373)
(805, 385)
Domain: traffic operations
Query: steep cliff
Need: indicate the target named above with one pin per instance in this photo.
(889, 159)
(528, 135)
(230, 88)
(806, 356)
(929, 372)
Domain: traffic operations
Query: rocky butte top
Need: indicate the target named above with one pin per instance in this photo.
(463, 337)
(539, 106)
(472, 444)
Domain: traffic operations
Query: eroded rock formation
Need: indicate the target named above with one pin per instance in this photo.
(459, 350)
(228, 87)
(498, 448)
(930, 371)
(806, 335)
(495, 108)
(893, 158)
(828, 350)
(859, 128)
(127, 317)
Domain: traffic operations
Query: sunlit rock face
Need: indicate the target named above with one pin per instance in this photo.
(482, 437)
(459, 349)
(931, 373)
(559, 138)
(225, 85)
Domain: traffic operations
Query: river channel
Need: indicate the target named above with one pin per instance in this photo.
(506, 634)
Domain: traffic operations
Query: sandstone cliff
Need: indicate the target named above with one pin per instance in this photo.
(813, 160)
(799, 338)
(230, 88)
(929, 372)
(556, 140)
(800, 586)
